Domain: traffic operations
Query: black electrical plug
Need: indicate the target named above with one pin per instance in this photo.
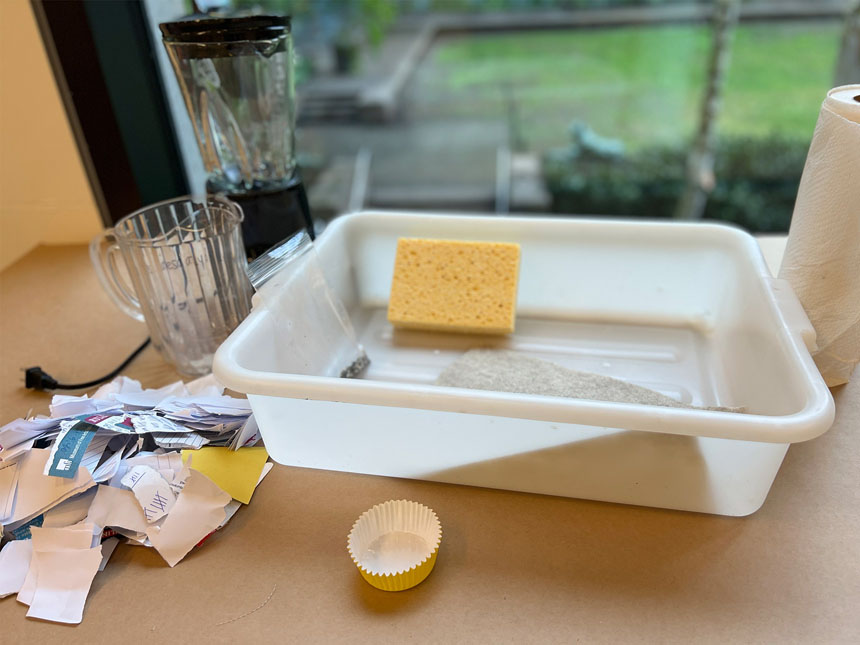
(36, 379)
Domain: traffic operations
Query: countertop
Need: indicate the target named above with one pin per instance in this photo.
(513, 567)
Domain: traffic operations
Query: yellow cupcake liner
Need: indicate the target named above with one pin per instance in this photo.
(394, 544)
(400, 581)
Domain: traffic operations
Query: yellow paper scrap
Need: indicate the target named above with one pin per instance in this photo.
(236, 472)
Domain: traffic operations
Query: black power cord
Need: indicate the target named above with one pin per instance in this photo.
(36, 379)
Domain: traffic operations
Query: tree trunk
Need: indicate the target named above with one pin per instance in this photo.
(848, 61)
(700, 163)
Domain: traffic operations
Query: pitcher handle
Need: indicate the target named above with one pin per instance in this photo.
(104, 252)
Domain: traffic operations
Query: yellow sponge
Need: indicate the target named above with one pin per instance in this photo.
(448, 285)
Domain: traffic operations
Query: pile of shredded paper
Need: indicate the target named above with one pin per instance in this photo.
(158, 468)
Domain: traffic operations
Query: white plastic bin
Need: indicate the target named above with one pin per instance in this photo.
(689, 310)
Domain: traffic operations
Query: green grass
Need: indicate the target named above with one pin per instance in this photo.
(639, 84)
(778, 78)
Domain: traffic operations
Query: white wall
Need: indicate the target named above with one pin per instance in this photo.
(45, 197)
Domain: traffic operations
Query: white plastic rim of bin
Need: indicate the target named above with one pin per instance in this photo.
(793, 332)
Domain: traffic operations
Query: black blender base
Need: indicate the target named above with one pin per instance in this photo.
(272, 216)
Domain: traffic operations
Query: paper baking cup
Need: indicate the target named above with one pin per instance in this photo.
(394, 544)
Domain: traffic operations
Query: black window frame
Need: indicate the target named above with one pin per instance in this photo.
(105, 66)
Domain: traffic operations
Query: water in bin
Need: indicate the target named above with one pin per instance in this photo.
(291, 283)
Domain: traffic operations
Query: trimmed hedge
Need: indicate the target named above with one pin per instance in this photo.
(756, 182)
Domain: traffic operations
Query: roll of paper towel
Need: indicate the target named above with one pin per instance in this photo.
(822, 256)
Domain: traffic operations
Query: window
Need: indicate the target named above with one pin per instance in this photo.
(560, 106)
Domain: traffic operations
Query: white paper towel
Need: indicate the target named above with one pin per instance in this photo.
(822, 256)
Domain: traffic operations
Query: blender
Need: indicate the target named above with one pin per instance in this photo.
(236, 77)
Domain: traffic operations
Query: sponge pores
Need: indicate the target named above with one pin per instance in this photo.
(457, 286)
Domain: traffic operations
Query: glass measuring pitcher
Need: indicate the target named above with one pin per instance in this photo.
(187, 267)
